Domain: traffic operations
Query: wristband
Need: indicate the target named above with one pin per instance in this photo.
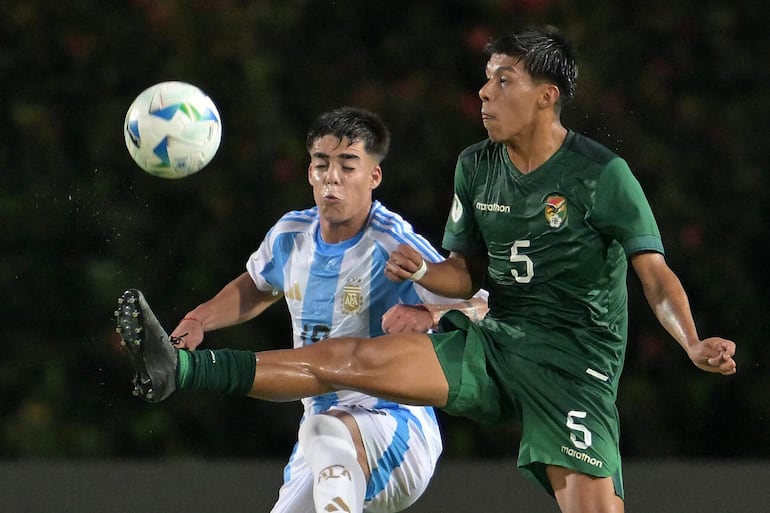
(419, 273)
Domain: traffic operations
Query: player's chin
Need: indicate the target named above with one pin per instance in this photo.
(495, 136)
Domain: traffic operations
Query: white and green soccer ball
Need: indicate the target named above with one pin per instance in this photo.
(172, 130)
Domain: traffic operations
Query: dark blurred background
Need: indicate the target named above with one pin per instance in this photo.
(679, 89)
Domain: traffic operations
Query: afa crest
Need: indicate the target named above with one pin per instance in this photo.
(352, 298)
(555, 210)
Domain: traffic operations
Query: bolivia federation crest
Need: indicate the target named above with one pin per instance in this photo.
(555, 210)
(457, 209)
(352, 297)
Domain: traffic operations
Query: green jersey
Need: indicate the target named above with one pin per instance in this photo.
(557, 241)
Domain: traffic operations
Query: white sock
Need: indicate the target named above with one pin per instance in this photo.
(339, 485)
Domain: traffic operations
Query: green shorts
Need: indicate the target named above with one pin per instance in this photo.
(564, 422)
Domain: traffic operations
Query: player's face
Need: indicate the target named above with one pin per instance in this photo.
(343, 176)
(509, 98)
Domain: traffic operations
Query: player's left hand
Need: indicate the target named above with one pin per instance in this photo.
(714, 354)
(407, 318)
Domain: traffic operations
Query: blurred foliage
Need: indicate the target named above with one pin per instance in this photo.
(676, 88)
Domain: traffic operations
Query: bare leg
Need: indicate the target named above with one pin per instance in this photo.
(581, 493)
(402, 368)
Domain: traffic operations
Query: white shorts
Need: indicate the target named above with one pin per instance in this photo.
(401, 449)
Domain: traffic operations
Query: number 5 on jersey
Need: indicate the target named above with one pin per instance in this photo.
(529, 267)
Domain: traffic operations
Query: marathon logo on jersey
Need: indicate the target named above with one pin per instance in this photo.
(352, 298)
(555, 210)
(493, 207)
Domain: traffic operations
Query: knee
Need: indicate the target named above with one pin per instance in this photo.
(320, 427)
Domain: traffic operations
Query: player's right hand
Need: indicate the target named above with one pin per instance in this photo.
(404, 261)
(714, 354)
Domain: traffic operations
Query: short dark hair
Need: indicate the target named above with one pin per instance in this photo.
(356, 125)
(546, 53)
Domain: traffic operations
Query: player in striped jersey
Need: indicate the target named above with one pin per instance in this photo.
(354, 452)
(339, 289)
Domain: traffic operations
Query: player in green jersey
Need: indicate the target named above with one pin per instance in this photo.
(547, 221)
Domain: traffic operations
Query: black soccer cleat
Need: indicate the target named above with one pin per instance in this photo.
(153, 357)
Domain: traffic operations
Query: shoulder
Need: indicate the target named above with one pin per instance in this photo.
(295, 221)
(479, 151)
(387, 226)
(388, 229)
(478, 160)
(586, 158)
(385, 220)
(299, 217)
(586, 148)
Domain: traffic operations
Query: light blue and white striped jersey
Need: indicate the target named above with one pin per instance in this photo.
(336, 290)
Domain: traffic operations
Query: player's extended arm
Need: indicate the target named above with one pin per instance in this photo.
(420, 318)
(666, 296)
(457, 276)
(237, 302)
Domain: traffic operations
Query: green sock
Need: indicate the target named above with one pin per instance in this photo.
(222, 370)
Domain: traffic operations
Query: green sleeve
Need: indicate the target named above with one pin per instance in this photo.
(461, 233)
(622, 212)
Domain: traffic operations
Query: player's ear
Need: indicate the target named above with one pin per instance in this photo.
(376, 178)
(310, 174)
(549, 95)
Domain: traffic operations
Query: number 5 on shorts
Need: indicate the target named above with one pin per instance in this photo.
(585, 443)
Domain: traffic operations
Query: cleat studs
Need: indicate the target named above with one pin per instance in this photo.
(138, 329)
(120, 300)
(122, 342)
(134, 314)
(117, 330)
(132, 300)
(116, 313)
(149, 394)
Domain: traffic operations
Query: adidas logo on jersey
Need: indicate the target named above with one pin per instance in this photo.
(293, 292)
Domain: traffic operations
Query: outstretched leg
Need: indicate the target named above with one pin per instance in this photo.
(403, 368)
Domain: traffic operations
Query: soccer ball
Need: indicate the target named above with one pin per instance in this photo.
(172, 130)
